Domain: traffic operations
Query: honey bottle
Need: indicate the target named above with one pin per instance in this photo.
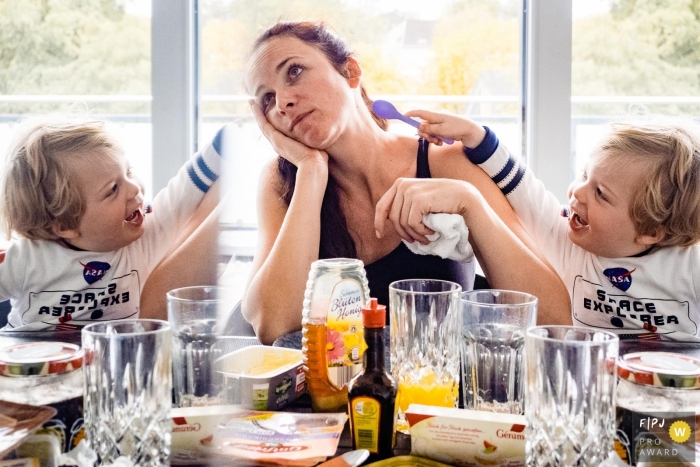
(332, 338)
(372, 393)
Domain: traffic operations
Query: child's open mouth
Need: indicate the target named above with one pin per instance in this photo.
(576, 222)
(136, 218)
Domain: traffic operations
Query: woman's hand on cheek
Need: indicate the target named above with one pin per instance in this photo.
(409, 199)
(289, 148)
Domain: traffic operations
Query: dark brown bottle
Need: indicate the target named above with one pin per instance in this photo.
(372, 393)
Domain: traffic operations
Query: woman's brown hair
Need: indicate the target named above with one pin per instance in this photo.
(335, 238)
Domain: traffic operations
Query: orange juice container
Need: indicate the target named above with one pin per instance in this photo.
(333, 340)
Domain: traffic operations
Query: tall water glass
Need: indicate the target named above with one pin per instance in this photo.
(197, 315)
(127, 390)
(570, 391)
(493, 333)
(424, 328)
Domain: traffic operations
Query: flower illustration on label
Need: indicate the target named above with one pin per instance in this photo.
(334, 345)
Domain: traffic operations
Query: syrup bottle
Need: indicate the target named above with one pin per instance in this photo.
(372, 393)
(332, 340)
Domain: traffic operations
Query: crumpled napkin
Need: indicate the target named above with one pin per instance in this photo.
(450, 240)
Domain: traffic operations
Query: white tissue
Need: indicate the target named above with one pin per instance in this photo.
(450, 240)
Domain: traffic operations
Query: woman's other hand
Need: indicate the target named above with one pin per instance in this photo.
(291, 149)
(409, 199)
(434, 124)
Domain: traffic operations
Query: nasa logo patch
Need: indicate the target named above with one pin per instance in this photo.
(620, 278)
(94, 271)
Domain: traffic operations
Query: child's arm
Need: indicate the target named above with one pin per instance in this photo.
(538, 210)
(174, 206)
(508, 262)
(178, 269)
(5, 269)
(13, 269)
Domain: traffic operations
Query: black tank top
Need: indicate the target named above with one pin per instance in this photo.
(402, 263)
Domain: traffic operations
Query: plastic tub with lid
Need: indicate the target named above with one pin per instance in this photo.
(49, 374)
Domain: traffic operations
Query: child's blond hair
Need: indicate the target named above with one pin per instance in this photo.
(668, 150)
(39, 188)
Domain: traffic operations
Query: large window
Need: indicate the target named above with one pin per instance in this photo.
(461, 56)
(631, 57)
(79, 56)
(589, 61)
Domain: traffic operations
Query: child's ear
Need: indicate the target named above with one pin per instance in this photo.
(62, 232)
(649, 240)
(354, 72)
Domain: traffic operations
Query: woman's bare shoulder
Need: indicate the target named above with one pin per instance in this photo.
(270, 171)
(270, 180)
(449, 161)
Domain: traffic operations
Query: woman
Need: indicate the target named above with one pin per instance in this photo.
(336, 162)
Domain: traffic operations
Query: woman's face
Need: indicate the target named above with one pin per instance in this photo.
(300, 92)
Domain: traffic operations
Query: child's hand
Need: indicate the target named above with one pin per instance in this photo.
(450, 126)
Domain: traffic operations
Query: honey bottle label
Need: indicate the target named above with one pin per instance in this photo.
(365, 423)
(345, 341)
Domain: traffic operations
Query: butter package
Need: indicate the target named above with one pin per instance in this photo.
(260, 377)
(192, 428)
(467, 438)
(234, 435)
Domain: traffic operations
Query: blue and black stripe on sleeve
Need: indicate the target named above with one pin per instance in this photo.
(201, 175)
(484, 150)
(515, 181)
(512, 171)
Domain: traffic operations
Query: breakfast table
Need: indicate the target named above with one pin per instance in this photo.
(303, 404)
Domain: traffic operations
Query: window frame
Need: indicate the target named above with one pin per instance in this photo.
(547, 26)
(174, 87)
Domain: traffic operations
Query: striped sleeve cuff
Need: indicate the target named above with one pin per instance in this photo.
(484, 150)
(204, 167)
(503, 168)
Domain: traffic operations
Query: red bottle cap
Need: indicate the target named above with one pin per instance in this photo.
(373, 314)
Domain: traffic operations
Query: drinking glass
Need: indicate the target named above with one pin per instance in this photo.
(127, 390)
(493, 333)
(197, 315)
(424, 328)
(570, 389)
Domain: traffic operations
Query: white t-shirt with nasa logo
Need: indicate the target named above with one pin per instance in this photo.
(652, 296)
(51, 286)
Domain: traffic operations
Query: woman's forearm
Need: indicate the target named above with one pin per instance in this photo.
(511, 265)
(274, 298)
